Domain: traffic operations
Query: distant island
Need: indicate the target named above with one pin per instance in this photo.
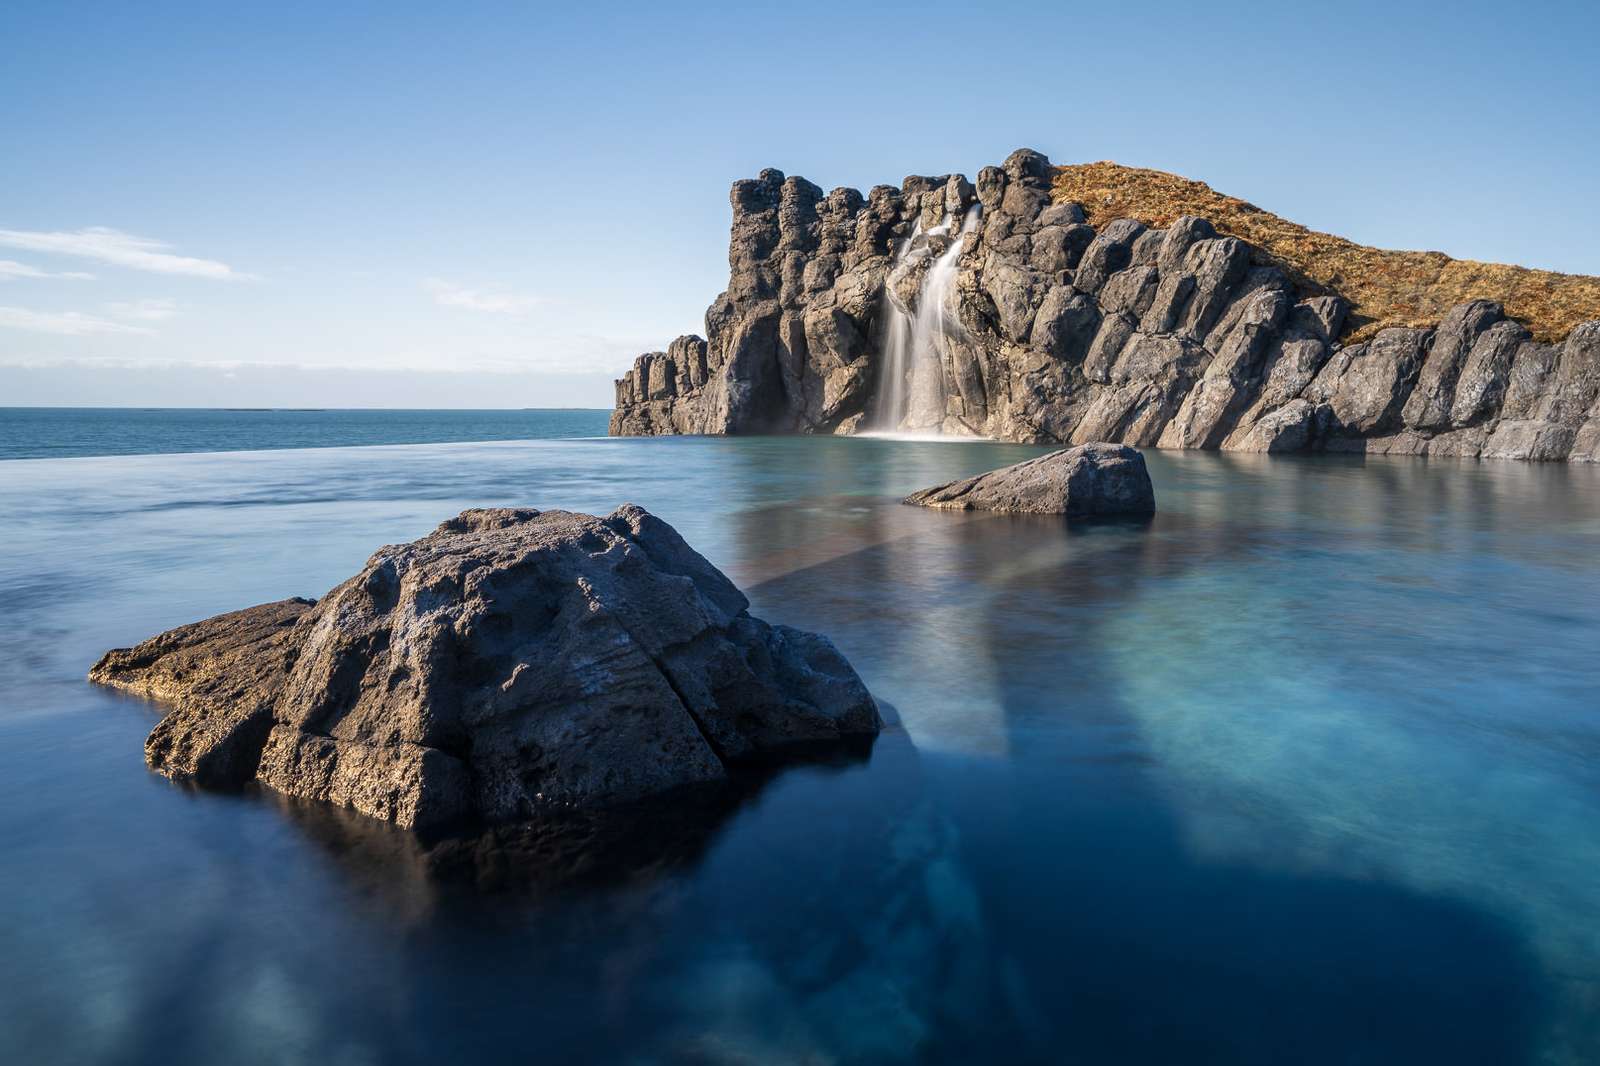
(1097, 302)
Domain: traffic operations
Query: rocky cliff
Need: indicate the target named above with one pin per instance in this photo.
(1017, 307)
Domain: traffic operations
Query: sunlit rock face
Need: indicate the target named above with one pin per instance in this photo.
(1089, 481)
(981, 308)
(510, 663)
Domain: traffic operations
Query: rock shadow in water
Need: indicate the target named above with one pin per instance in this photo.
(567, 851)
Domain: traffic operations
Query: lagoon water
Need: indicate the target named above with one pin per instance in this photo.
(1306, 770)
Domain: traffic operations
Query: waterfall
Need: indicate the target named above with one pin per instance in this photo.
(911, 390)
(893, 398)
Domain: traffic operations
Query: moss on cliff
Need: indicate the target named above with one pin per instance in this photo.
(1384, 288)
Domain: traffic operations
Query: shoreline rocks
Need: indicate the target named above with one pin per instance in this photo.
(1095, 480)
(510, 663)
(1059, 332)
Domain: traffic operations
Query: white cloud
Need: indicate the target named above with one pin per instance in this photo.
(65, 323)
(119, 249)
(144, 310)
(449, 294)
(10, 268)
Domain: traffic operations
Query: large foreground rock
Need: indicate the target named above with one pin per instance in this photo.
(1091, 480)
(510, 662)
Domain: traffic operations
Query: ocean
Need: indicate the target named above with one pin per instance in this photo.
(69, 432)
(1305, 770)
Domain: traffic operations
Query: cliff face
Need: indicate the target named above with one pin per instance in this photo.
(996, 309)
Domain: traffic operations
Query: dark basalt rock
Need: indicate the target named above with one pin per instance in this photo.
(1089, 481)
(1179, 337)
(511, 663)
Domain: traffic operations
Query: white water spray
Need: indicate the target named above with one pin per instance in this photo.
(915, 340)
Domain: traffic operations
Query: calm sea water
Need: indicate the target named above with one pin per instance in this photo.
(1307, 770)
(62, 432)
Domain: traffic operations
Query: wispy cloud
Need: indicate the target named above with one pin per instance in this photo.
(144, 310)
(10, 268)
(449, 294)
(119, 249)
(65, 323)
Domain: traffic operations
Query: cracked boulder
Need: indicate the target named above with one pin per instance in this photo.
(509, 664)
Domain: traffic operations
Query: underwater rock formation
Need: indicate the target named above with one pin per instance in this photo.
(510, 663)
(993, 308)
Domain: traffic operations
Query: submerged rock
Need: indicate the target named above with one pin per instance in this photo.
(1091, 480)
(509, 663)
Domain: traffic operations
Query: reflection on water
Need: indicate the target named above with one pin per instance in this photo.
(1304, 770)
(566, 853)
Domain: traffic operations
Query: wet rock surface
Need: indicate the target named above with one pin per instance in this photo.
(1089, 481)
(1181, 337)
(510, 664)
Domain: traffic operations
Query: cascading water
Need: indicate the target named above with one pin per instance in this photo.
(911, 391)
(893, 387)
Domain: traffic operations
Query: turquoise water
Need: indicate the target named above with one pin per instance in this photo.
(65, 432)
(1307, 770)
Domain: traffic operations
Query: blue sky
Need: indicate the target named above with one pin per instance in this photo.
(499, 205)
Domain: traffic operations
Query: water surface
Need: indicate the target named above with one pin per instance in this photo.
(64, 432)
(1306, 770)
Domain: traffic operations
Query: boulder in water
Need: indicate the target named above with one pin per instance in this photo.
(1089, 481)
(510, 663)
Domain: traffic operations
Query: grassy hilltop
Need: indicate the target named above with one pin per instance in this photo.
(1384, 288)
